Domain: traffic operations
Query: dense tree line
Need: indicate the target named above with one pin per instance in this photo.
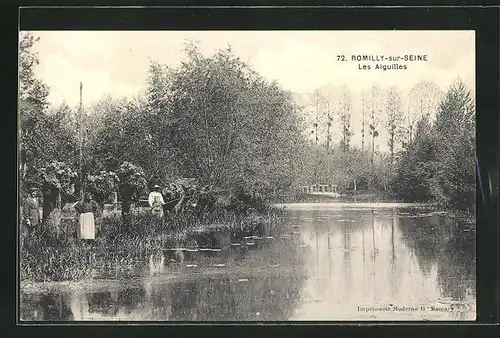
(215, 119)
(431, 145)
(439, 164)
(211, 118)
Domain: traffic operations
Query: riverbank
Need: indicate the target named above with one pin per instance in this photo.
(122, 243)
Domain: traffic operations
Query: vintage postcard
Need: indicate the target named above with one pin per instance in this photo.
(270, 176)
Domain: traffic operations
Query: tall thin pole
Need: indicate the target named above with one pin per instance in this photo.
(81, 139)
(328, 139)
(316, 143)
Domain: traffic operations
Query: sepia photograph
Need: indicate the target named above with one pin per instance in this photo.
(247, 176)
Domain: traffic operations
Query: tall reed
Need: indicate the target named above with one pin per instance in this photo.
(49, 255)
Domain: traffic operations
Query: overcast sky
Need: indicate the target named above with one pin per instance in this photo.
(116, 62)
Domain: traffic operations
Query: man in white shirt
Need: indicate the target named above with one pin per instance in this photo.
(156, 202)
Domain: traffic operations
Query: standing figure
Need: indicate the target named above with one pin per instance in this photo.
(181, 192)
(170, 197)
(86, 209)
(156, 202)
(31, 211)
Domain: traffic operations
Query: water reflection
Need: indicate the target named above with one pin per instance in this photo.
(387, 256)
(333, 263)
(262, 284)
(46, 307)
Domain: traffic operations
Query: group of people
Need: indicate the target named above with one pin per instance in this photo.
(179, 198)
(86, 209)
(173, 199)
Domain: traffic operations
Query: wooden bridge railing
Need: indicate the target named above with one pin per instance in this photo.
(327, 188)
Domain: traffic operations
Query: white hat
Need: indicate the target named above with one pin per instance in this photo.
(156, 186)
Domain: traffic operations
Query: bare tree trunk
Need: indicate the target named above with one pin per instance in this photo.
(328, 129)
(392, 150)
(363, 128)
(373, 143)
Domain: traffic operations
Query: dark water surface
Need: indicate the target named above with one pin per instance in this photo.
(335, 262)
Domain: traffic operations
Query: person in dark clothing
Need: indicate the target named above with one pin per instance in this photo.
(31, 211)
(170, 197)
(126, 194)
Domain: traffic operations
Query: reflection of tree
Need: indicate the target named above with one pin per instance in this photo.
(265, 296)
(49, 307)
(260, 298)
(268, 298)
(395, 271)
(423, 237)
(457, 267)
(129, 299)
(433, 241)
(346, 245)
(102, 302)
(184, 296)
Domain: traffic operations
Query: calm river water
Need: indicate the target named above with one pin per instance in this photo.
(337, 261)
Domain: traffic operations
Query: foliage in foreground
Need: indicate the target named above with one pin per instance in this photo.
(121, 242)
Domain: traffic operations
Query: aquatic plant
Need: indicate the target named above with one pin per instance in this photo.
(122, 243)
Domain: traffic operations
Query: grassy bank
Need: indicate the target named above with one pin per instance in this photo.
(123, 242)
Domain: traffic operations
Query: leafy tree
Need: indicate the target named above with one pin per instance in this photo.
(224, 124)
(394, 119)
(375, 108)
(413, 181)
(58, 185)
(45, 134)
(424, 99)
(364, 110)
(101, 185)
(31, 89)
(32, 104)
(454, 184)
(345, 118)
(121, 130)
